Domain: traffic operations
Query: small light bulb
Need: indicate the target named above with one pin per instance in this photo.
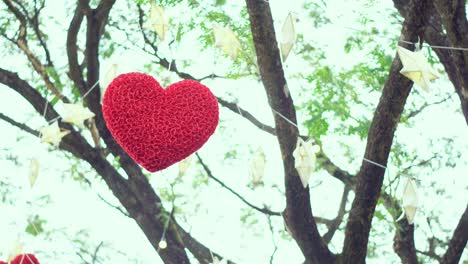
(163, 244)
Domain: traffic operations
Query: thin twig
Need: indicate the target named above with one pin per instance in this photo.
(210, 174)
(19, 125)
(96, 252)
(272, 239)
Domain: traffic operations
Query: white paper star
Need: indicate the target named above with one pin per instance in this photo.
(257, 167)
(158, 21)
(304, 160)
(416, 67)
(217, 261)
(109, 76)
(52, 134)
(33, 171)
(288, 35)
(226, 40)
(76, 114)
(410, 200)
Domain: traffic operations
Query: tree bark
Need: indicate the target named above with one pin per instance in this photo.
(446, 25)
(298, 213)
(458, 241)
(403, 243)
(379, 142)
(453, 17)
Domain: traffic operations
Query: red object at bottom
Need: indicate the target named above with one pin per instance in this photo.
(23, 259)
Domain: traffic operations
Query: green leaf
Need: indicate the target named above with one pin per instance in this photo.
(52, 72)
(179, 33)
(54, 101)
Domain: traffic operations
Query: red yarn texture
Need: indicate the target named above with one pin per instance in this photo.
(23, 259)
(158, 127)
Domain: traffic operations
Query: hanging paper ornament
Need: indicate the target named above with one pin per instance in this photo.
(52, 134)
(257, 167)
(288, 35)
(226, 40)
(108, 77)
(304, 160)
(158, 21)
(76, 114)
(286, 91)
(416, 67)
(184, 165)
(410, 200)
(158, 127)
(33, 171)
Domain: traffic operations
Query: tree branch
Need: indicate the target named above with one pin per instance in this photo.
(429, 254)
(379, 142)
(437, 22)
(210, 174)
(22, 43)
(298, 214)
(275, 247)
(426, 105)
(453, 17)
(21, 126)
(34, 21)
(403, 240)
(75, 73)
(458, 242)
(200, 251)
(335, 223)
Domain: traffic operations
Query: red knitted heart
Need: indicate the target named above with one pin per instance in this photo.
(23, 259)
(158, 127)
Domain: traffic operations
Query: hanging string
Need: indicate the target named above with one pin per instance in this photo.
(285, 118)
(382, 37)
(90, 90)
(162, 241)
(405, 41)
(364, 159)
(375, 163)
(434, 46)
(81, 99)
(238, 110)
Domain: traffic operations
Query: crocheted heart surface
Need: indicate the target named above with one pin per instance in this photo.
(23, 259)
(158, 127)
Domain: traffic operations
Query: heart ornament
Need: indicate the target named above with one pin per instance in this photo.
(23, 259)
(158, 127)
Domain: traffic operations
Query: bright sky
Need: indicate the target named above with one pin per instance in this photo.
(216, 222)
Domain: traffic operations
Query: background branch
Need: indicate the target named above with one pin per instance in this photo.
(210, 174)
(379, 142)
(298, 213)
(458, 241)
